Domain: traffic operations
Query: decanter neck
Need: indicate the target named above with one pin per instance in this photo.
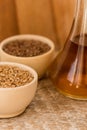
(80, 19)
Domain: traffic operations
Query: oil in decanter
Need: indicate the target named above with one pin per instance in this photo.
(69, 70)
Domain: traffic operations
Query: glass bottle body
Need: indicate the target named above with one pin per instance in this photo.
(69, 70)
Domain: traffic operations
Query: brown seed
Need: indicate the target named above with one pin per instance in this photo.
(28, 48)
(11, 76)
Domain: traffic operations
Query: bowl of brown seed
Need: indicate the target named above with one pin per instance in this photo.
(32, 50)
(18, 84)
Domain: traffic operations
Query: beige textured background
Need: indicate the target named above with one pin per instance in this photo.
(51, 18)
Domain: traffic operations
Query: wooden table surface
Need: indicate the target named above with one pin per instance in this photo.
(49, 111)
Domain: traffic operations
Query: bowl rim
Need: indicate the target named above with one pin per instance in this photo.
(28, 36)
(25, 67)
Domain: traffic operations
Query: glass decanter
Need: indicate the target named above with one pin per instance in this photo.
(69, 70)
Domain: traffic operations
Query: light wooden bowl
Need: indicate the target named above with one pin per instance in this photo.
(39, 63)
(13, 101)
